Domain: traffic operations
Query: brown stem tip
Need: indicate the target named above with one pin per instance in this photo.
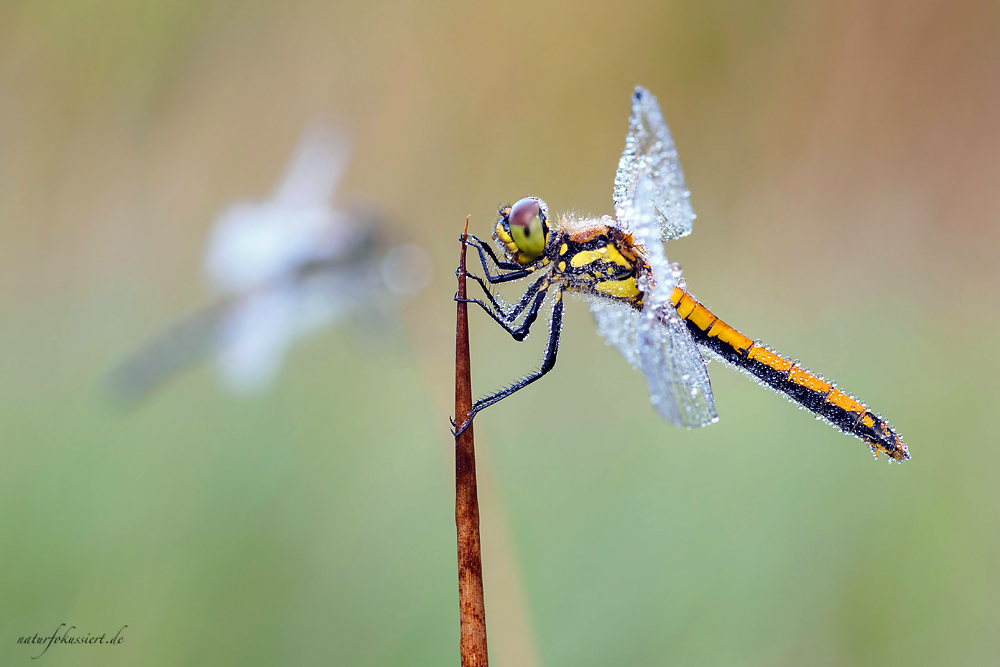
(472, 608)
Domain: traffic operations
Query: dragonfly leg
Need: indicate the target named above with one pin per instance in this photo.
(535, 295)
(548, 362)
(516, 271)
(501, 278)
(500, 306)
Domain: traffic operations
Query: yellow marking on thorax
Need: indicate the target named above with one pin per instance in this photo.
(607, 253)
(564, 248)
(562, 266)
(613, 255)
(583, 258)
(623, 289)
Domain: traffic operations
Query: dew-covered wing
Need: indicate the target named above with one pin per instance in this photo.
(618, 324)
(675, 371)
(649, 149)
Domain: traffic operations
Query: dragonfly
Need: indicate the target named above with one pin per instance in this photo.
(639, 300)
(281, 269)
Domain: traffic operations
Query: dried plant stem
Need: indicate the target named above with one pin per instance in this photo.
(472, 609)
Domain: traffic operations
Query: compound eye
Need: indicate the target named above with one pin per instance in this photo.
(528, 226)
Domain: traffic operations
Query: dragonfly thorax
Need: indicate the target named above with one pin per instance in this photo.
(594, 256)
(598, 258)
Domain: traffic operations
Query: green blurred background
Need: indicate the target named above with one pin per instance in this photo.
(843, 159)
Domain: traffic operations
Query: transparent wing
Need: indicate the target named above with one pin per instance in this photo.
(649, 149)
(679, 387)
(617, 323)
(249, 332)
(254, 340)
(667, 352)
(188, 340)
(675, 372)
(316, 168)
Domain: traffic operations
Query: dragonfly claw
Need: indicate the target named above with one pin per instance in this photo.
(459, 431)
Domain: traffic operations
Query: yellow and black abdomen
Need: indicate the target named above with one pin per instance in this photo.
(799, 385)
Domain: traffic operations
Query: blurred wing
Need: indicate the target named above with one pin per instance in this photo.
(254, 339)
(649, 149)
(316, 168)
(181, 344)
(679, 387)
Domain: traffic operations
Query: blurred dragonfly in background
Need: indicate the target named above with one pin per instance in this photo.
(282, 269)
(639, 300)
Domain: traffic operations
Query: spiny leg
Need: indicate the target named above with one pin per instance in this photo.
(477, 243)
(517, 273)
(505, 318)
(499, 312)
(495, 303)
(548, 362)
(500, 278)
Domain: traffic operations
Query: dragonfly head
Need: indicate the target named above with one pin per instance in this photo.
(523, 230)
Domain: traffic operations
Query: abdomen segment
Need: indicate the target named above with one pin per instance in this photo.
(769, 368)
